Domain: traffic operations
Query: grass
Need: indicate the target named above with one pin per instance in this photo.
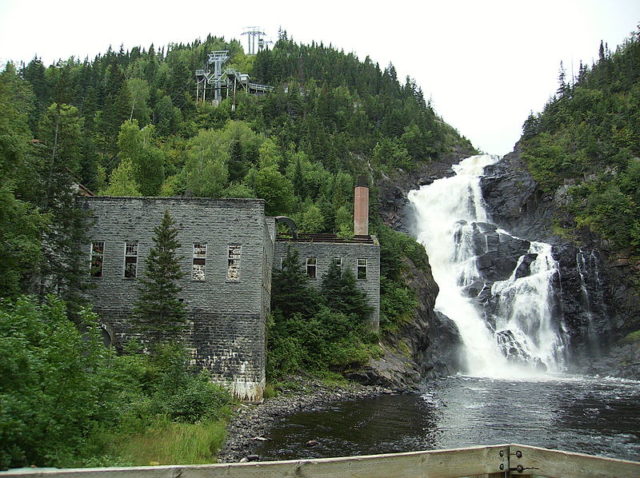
(163, 443)
(632, 338)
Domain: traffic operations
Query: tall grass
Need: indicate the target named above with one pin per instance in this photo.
(168, 443)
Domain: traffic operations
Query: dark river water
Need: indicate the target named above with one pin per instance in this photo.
(588, 415)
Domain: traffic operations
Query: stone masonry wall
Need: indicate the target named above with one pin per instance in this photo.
(325, 252)
(226, 318)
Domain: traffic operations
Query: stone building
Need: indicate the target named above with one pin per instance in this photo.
(228, 250)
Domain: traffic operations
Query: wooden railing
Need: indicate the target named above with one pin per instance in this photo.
(490, 461)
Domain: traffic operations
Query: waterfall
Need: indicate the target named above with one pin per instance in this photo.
(496, 287)
(593, 302)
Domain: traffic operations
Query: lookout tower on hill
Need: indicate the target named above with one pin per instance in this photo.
(221, 83)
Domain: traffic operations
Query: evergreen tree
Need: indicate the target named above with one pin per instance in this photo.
(291, 292)
(298, 180)
(59, 154)
(342, 295)
(159, 312)
(237, 166)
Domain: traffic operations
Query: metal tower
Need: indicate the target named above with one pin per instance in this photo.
(253, 33)
(207, 77)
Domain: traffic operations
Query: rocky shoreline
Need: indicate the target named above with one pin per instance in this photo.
(251, 422)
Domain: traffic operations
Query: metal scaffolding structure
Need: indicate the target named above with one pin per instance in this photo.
(254, 33)
(228, 80)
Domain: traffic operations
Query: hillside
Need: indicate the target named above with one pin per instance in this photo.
(574, 180)
(126, 123)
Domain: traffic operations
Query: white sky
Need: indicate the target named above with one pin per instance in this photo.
(484, 63)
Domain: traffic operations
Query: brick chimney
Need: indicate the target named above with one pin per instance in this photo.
(361, 208)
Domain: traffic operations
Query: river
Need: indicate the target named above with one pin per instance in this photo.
(515, 387)
(581, 414)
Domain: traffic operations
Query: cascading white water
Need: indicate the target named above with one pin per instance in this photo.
(449, 212)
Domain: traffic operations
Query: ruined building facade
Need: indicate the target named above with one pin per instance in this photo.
(228, 250)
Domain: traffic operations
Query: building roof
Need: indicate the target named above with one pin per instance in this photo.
(331, 238)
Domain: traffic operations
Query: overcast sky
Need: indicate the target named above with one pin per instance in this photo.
(485, 64)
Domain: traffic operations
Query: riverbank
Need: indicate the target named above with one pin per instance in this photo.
(251, 422)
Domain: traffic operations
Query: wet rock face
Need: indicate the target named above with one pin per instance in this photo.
(514, 201)
(497, 254)
(431, 341)
(427, 347)
(597, 303)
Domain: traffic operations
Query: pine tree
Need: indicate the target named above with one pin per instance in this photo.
(159, 312)
(291, 292)
(59, 155)
(342, 295)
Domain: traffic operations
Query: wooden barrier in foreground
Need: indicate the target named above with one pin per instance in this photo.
(488, 462)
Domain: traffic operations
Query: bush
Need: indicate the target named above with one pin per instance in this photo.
(53, 385)
(65, 398)
(198, 399)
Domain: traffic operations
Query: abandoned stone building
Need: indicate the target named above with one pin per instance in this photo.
(228, 250)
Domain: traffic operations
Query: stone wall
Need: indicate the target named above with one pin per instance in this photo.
(325, 252)
(226, 317)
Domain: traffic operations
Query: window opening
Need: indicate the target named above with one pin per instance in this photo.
(233, 262)
(199, 261)
(130, 260)
(311, 267)
(97, 256)
(338, 262)
(362, 269)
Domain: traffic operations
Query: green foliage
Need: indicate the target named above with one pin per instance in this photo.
(312, 220)
(398, 301)
(122, 182)
(272, 186)
(20, 221)
(311, 332)
(52, 380)
(66, 400)
(206, 171)
(632, 338)
(136, 145)
(588, 137)
(290, 289)
(341, 294)
(158, 311)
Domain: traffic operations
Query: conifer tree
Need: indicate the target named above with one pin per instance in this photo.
(159, 312)
(59, 155)
(342, 295)
(291, 291)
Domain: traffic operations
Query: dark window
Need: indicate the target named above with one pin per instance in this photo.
(311, 267)
(199, 261)
(130, 260)
(338, 262)
(362, 269)
(97, 256)
(233, 262)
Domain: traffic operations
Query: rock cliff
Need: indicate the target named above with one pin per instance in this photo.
(598, 300)
(429, 345)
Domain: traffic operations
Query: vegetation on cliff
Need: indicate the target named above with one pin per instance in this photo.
(588, 139)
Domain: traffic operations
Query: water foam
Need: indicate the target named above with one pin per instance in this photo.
(523, 338)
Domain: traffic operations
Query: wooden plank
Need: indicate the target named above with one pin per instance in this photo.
(560, 464)
(431, 464)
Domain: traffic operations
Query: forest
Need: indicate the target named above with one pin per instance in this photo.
(584, 147)
(127, 123)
